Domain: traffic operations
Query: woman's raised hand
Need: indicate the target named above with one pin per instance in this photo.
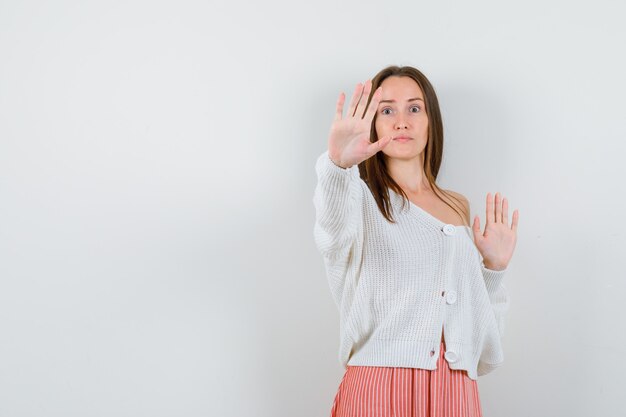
(497, 242)
(349, 140)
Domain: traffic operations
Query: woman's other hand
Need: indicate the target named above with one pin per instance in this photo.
(349, 140)
(497, 242)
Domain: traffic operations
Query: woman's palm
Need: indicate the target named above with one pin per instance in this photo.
(349, 140)
(497, 243)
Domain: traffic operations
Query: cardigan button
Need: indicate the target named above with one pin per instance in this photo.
(451, 297)
(449, 229)
(451, 356)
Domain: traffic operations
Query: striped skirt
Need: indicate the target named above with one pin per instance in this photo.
(370, 391)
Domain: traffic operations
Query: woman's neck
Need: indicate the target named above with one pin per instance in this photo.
(409, 175)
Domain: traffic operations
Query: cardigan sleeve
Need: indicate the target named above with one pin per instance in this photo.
(338, 200)
(497, 292)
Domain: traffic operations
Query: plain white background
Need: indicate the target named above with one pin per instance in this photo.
(156, 181)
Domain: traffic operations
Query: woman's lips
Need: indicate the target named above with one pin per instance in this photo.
(402, 138)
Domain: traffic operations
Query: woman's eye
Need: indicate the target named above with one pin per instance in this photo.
(386, 111)
(415, 109)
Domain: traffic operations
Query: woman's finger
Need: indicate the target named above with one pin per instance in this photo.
(505, 211)
(371, 109)
(355, 99)
(498, 204)
(378, 145)
(515, 220)
(476, 228)
(339, 111)
(489, 215)
(360, 109)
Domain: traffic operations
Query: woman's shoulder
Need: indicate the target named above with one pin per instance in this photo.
(460, 197)
(457, 195)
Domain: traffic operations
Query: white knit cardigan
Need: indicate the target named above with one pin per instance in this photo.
(397, 285)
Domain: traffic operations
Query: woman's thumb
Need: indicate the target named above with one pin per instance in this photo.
(380, 144)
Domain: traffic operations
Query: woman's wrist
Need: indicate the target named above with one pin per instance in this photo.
(494, 267)
(334, 162)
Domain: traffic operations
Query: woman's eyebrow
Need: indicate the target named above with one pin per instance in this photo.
(393, 101)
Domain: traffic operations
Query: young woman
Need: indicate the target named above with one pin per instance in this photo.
(419, 291)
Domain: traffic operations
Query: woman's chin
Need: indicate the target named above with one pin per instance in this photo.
(402, 154)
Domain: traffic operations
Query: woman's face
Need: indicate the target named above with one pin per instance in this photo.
(401, 114)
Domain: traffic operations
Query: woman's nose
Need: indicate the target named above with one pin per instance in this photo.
(400, 123)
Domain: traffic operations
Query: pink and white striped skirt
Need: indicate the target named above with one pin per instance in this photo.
(371, 391)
